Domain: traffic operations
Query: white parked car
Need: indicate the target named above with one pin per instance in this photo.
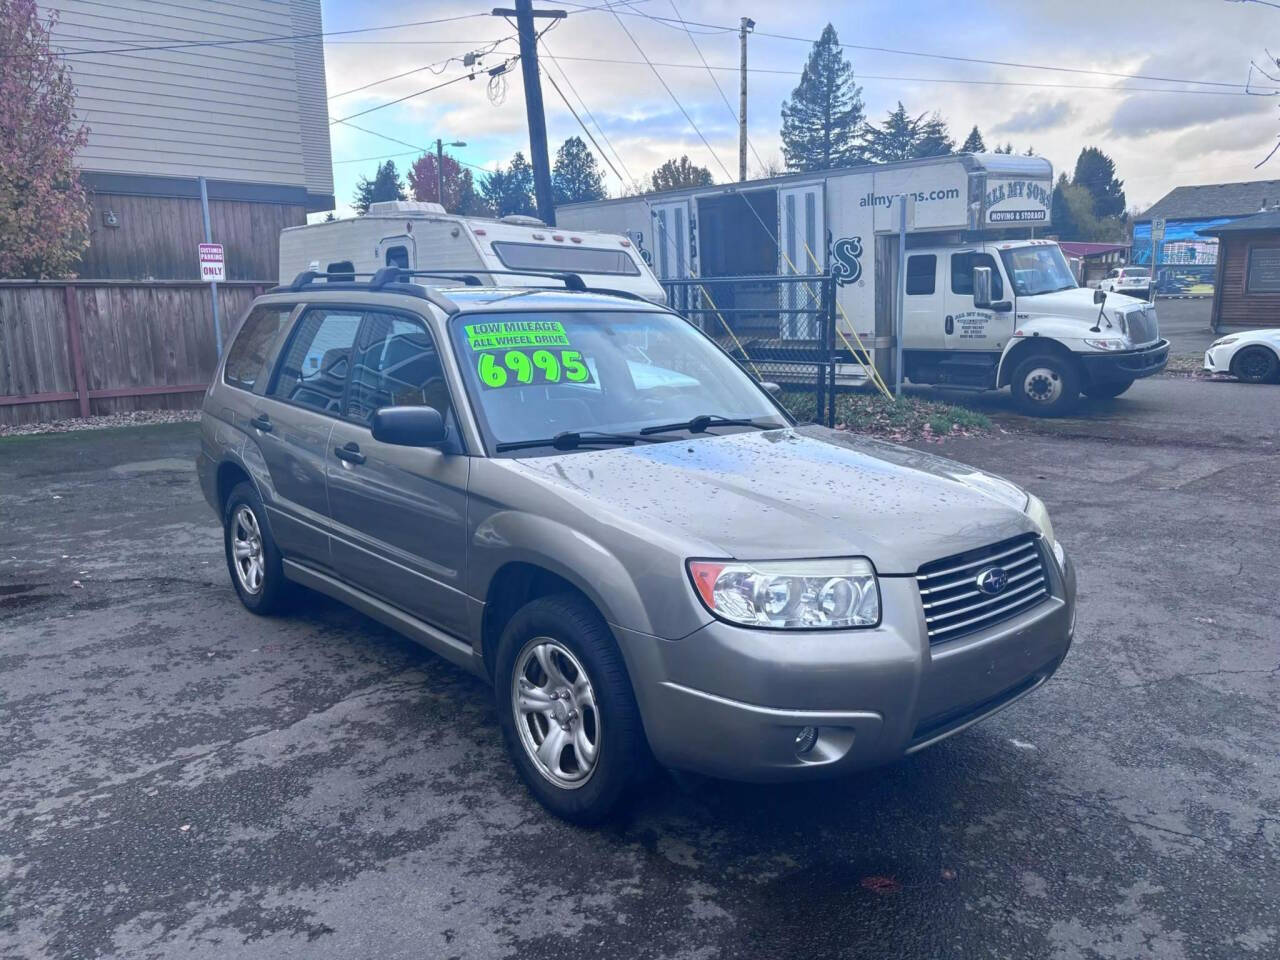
(1251, 355)
(1131, 281)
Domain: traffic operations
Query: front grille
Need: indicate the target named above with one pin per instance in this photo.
(953, 604)
(1143, 327)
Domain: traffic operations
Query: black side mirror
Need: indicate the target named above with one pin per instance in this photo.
(409, 426)
(774, 389)
(982, 288)
(1099, 296)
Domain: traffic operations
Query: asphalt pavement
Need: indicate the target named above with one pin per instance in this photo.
(183, 779)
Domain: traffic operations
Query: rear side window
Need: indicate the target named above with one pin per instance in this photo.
(313, 371)
(542, 256)
(249, 351)
(922, 274)
(962, 265)
(396, 365)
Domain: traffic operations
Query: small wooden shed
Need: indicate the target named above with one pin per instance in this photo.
(1247, 291)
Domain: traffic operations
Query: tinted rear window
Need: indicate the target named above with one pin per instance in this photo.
(542, 256)
(249, 351)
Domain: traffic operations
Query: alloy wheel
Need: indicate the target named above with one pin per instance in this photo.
(246, 549)
(555, 711)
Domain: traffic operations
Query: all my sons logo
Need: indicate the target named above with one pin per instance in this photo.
(1017, 201)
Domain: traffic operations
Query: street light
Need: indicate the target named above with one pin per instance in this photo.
(440, 166)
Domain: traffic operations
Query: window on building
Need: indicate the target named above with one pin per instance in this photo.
(398, 256)
(922, 274)
(249, 350)
(962, 265)
(313, 372)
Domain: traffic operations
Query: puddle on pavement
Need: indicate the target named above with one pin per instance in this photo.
(163, 465)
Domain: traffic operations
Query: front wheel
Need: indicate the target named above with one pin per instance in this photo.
(567, 710)
(1045, 385)
(1106, 391)
(1255, 365)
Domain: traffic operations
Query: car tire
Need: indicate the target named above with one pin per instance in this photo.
(1255, 365)
(581, 751)
(1107, 391)
(258, 575)
(1045, 385)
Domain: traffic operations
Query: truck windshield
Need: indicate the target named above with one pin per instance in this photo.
(534, 375)
(1039, 269)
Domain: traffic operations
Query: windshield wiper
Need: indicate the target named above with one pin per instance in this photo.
(570, 440)
(699, 424)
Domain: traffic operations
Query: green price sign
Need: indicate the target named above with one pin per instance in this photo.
(518, 368)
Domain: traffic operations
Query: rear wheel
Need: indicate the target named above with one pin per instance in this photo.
(1045, 385)
(1105, 391)
(566, 708)
(253, 560)
(1255, 365)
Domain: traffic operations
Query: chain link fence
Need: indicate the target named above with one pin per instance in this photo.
(781, 329)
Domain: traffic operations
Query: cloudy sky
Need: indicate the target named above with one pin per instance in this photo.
(1161, 132)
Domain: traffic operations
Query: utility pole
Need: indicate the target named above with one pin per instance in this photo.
(745, 26)
(440, 168)
(525, 16)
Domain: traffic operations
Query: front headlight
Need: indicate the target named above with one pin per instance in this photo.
(1110, 343)
(1039, 515)
(1224, 342)
(790, 594)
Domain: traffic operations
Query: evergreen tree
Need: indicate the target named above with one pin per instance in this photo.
(510, 191)
(932, 137)
(973, 143)
(1060, 211)
(822, 121)
(575, 176)
(675, 174)
(385, 185)
(892, 140)
(1007, 148)
(1096, 172)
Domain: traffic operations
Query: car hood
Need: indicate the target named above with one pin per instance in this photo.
(1076, 303)
(790, 493)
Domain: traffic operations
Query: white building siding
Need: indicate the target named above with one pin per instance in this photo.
(252, 112)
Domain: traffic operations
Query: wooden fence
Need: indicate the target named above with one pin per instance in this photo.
(86, 347)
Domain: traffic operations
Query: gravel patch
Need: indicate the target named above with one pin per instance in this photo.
(132, 418)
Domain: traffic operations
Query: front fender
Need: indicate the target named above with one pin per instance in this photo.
(1047, 332)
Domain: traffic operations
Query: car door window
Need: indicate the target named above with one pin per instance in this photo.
(314, 369)
(922, 273)
(962, 265)
(248, 352)
(396, 364)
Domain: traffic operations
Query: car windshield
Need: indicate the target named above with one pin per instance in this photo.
(534, 375)
(1039, 269)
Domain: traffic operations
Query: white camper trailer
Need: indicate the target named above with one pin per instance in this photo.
(422, 236)
(984, 303)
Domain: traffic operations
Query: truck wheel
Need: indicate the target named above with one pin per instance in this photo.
(567, 710)
(1045, 385)
(1105, 391)
(1255, 365)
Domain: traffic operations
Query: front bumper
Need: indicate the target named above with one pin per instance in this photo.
(1218, 359)
(1104, 367)
(729, 701)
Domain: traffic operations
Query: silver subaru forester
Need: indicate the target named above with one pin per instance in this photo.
(579, 497)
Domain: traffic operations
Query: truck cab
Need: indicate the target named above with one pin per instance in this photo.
(994, 314)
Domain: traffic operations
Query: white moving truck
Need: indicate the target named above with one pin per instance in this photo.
(422, 236)
(986, 305)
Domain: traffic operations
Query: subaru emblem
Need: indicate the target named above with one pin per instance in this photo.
(992, 580)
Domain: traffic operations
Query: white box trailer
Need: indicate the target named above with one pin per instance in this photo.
(422, 236)
(967, 214)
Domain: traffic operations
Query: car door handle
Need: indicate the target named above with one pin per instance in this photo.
(950, 324)
(262, 422)
(350, 452)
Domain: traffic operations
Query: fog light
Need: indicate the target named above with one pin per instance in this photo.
(805, 740)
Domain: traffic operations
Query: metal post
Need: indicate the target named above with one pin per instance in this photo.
(902, 296)
(439, 171)
(746, 25)
(208, 238)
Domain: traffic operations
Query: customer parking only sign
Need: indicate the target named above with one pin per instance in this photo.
(213, 265)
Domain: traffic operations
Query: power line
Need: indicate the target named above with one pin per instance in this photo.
(935, 56)
(506, 65)
(555, 86)
(403, 143)
(277, 39)
(430, 67)
(900, 79)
